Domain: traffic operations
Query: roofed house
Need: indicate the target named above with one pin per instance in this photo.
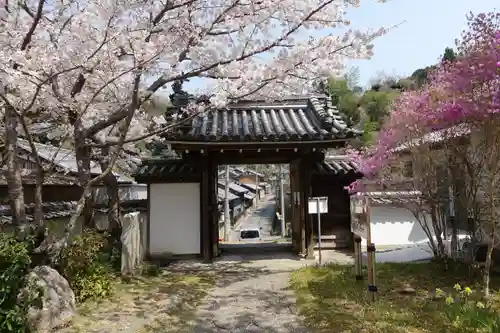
(237, 206)
(234, 173)
(251, 176)
(254, 189)
(395, 202)
(61, 187)
(59, 193)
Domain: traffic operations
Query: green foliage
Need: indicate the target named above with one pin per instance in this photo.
(86, 265)
(345, 99)
(369, 130)
(467, 313)
(376, 104)
(420, 76)
(449, 54)
(14, 266)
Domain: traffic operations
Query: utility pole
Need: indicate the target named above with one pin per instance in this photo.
(257, 182)
(282, 202)
(227, 219)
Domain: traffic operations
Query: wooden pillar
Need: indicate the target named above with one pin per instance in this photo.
(214, 210)
(306, 189)
(301, 208)
(206, 189)
(295, 204)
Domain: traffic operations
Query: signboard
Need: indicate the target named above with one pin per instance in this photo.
(359, 220)
(323, 205)
(318, 206)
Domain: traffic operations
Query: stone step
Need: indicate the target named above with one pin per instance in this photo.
(334, 244)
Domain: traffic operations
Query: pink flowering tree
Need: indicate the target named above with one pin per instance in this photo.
(91, 67)
(457, 112)
(465, 91)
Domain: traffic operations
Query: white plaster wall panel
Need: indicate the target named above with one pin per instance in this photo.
(174, 219)
(395, 226)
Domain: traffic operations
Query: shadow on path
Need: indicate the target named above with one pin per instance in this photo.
(251, 295)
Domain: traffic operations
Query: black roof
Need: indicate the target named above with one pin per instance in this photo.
(174, 171)
(51, 211)
(337, 167)
(294, 119)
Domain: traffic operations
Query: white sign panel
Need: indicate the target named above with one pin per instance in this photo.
(313, 205)
(359, 225)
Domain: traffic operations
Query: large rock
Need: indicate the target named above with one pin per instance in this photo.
(56, 304)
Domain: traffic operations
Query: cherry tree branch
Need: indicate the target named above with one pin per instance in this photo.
(36, 19)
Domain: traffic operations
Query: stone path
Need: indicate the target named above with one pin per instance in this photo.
(251, 290)
(251, 295)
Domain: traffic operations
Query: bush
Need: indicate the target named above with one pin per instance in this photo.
(14, 266)
(86, 266)
(466, 312)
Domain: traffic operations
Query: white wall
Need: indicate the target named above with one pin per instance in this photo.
(174, 219)
(394, 226)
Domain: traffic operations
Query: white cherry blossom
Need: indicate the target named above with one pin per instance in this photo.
(245, 47)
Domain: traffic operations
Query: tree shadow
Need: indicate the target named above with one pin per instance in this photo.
(139, 302)
(251, 294)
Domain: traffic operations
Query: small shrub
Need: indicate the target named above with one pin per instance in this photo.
(85, 263)
(14, 265)
(466, 312)
(113, 249)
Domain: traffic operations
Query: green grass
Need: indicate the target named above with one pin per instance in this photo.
(332, 301)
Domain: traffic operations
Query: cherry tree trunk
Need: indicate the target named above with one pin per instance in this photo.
(114, 215)
(38, 215)
(13, 173)
(111, 184)
(487, 268)
(83, 158)
(437, 231)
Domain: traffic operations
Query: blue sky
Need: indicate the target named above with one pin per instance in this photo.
(431, 25)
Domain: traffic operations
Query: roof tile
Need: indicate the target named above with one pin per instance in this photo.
(336, 167)
(303, 120)
(173, 170)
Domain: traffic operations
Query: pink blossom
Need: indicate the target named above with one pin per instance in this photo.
(464, 91)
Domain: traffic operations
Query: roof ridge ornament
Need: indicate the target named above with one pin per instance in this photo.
(323, 115)
(179, 97)
(335, 115)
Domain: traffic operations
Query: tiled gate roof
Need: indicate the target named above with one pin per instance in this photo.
(176, 170)
(336, 167)
(306, 119)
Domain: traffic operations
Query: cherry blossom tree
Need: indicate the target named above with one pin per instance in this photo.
(91, 67)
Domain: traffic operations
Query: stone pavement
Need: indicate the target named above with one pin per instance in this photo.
(251, 294)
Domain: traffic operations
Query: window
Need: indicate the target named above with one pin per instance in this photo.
(248, 234)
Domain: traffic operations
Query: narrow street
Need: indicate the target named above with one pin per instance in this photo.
(261, 217)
